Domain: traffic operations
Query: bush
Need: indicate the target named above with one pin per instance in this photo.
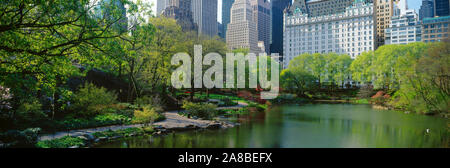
(202, 110)
(226, 102)
(153, 101)
(145, 116)
(365, 91)
(91, 100)
(30, 113)
(26, 138)
(97, 121)
(64, 142)
(259, 107)
(124, 132)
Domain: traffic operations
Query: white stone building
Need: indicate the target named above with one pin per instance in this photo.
(404, 28)
(350, 31)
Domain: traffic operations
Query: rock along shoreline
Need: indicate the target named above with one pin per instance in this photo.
(174, 122)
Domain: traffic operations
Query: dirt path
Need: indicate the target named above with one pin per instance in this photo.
(173, 121)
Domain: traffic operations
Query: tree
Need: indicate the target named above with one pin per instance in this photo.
(297, 80)
(361, 67)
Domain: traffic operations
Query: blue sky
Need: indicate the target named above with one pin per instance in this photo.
(412, 4)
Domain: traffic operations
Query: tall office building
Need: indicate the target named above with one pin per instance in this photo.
(180, 10)
(276, 42)
(435, 29)
(426, 9)
(241, 31)
(103, 10)
(261, 15)
(400, 7)
(383, 13)
(160, 6)
(441, 8)
(226, 8)
(349, 32)
(404, 28)
(204, 13)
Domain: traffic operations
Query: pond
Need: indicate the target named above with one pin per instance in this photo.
(309, 126)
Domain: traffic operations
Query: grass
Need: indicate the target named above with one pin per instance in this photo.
(361, 101)
(228, 112)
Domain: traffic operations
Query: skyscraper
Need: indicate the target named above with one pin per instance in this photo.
(383, 13)
(278, 6)
(241, 31)
(160, 6)
(226, 8)
(204, 13)
(261, 16)
(427, 9)
(180, 10)
(441, 8)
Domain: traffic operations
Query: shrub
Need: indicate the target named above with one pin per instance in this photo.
(26, 138)
(97, 121)
(146, 115)
(365, 91)
(259, 107)
(30, 113)
(91, 100)
(227, 102)
(123, 132)
(64, 142)
(154, 101)
(202, 110)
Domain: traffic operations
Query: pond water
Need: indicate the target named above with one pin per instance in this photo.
(309, 126)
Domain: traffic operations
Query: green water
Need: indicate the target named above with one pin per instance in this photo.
(315, 125)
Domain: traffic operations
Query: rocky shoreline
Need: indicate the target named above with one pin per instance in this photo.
(174, 122)
(90, 140)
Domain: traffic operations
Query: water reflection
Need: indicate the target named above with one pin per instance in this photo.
(316, 125)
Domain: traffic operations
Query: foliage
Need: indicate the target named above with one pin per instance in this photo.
(16, 138)
(365, 91)
(226, 102)
(361, 101)
(329, 67)
(417, 74)
(239, 111)
(30, 113)
(69, 141)
(91, 100)
(297, 80)
(97, 121)
(64, 142)
(202, 110)
(259, 107)
(153, 101)
(123, 132)
(147, 115)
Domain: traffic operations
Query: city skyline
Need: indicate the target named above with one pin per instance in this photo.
(412, 4)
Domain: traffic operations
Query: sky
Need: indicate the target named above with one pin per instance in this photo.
(412, 4)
